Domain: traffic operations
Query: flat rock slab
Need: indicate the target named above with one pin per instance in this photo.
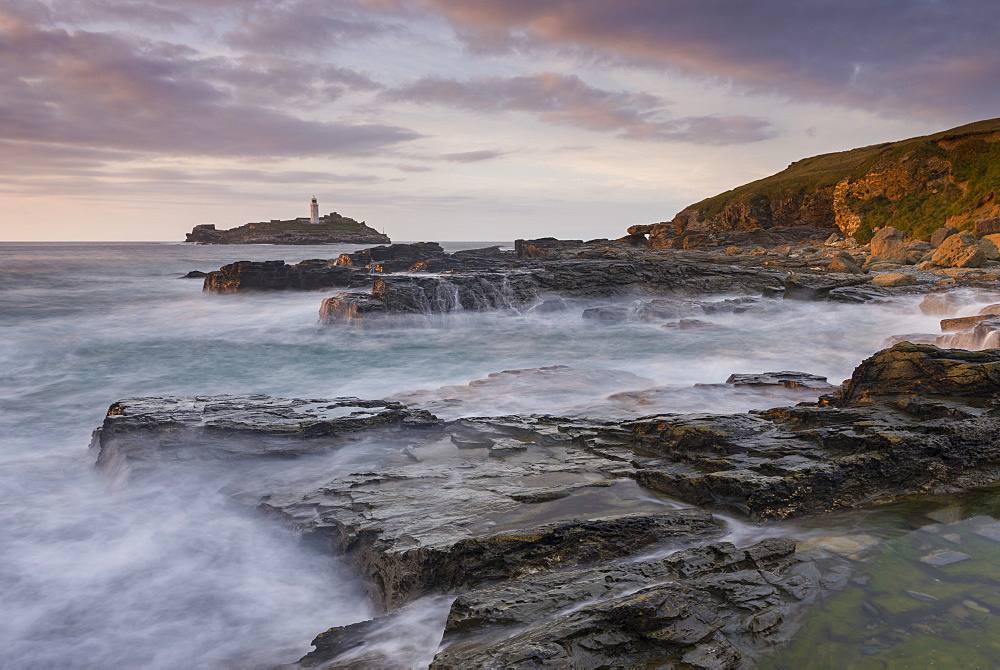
(464, 515)
(139, 431)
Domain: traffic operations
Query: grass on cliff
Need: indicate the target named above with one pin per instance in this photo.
(332, 221)
(975, 164)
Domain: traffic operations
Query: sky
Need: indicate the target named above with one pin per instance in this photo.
(455, 119)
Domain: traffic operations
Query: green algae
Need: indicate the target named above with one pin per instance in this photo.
(902, 612)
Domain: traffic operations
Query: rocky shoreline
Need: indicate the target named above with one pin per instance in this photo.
(581, 541)
(528, 518)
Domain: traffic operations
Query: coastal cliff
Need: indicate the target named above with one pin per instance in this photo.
(916, 185)
(331, 229)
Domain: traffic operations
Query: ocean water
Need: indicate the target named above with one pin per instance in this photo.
(174, 574)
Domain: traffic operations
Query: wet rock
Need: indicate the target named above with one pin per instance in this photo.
(923, 370)
(817, 287)
(713, 606)
(195, 274)
(959, 251)
(277, 275)
(889, 244)
(906, 421)
(859, 294)
(894, 279)
(962, 323)
(786, 379)
(394, 257)
(941, 234)
(144, 431)
(391, 294)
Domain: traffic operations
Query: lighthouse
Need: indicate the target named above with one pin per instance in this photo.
(314, 211)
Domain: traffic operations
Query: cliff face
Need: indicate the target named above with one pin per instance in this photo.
(915, 185)
(331, 229)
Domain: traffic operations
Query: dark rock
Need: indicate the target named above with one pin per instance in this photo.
(394, 257)
(941, 234)
(988, 226)
(331, 229)
(195, 274)
(923, 370)
(713, 606)
(858, 294)
(786, 379)
(390, 294)
(145, 431)
(817, 287)
(277, 275)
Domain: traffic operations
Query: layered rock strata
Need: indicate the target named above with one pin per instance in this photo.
(525, 517)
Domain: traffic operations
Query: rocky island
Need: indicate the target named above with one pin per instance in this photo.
(331, 228)
(595, 540)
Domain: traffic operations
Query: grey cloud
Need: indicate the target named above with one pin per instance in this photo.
(568, 100)
(472, 156)
(923, 57)
(107, 91)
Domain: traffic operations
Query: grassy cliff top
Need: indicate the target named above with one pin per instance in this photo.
(331, 221)
(826, 170)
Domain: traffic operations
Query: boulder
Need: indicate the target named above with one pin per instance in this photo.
(959, 251)
(988, 226)
(844, 262)
(894, 279)
(989, 247)
(994, 238)
(643, 229)
(923, 370)
(941, 234)
(889, 244)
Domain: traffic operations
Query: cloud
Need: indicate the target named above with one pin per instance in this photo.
(568, 100)
(472, 156)
(924, 57)
(292, 27)
(108, 91)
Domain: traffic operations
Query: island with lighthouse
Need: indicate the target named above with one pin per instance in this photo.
(331, 228)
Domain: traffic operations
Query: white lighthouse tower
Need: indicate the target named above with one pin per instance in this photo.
(314, 211)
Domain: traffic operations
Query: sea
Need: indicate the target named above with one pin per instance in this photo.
(174, 573)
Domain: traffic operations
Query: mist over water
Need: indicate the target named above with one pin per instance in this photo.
(170, 572)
